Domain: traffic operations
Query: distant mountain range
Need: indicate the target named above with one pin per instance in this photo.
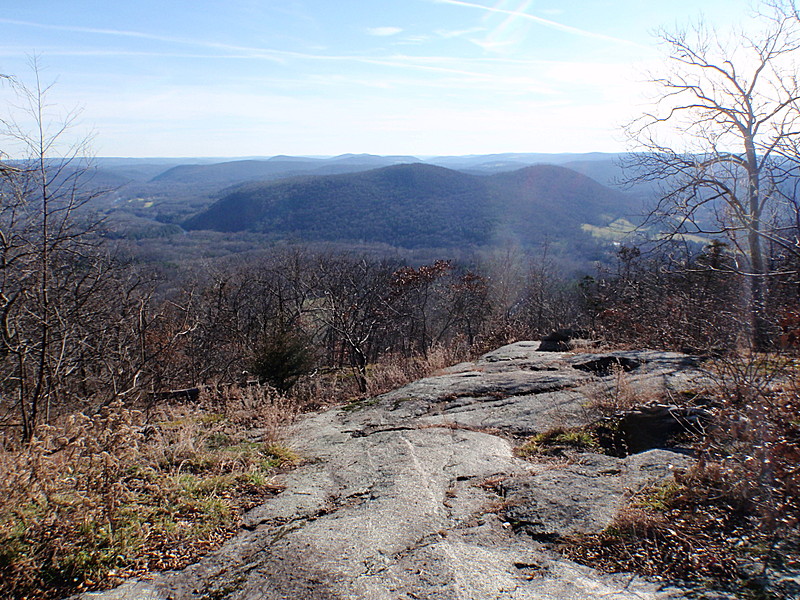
(277, 167)
(427, 203)
(200, 171)
(422, 205)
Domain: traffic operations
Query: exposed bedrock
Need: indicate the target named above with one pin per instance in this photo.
(417, 493)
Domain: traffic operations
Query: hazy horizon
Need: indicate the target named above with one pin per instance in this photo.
(422, 157)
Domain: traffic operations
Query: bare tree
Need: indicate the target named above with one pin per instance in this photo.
(421, 306)
(721, 140)
(353, 306)
(48, 269)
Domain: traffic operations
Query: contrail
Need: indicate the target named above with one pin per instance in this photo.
(541, 21)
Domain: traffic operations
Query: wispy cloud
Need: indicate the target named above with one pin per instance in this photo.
(491, 45)
(231, 50)
(384, 31)
(10, 51)
(413, 40)
(540, 20)
(276, 55)
(467, 73)
(76, 29)
(420, 63)
(455, 33)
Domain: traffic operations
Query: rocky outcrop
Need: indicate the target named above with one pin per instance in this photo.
(417, 493)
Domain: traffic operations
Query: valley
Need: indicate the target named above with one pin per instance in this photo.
(564, 205)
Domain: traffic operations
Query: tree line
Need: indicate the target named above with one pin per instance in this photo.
(92, 328)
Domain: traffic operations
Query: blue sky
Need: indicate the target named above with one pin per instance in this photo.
(325, 77)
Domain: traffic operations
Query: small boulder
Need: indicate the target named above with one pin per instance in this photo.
(561, 340)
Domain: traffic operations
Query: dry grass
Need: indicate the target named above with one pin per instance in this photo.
(618, 393)
(554, 441)
(100, 498)
(684, 535)
(336, 387)
(734, 517)
(397, 371)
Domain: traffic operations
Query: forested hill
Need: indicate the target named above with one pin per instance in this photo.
(420, 205)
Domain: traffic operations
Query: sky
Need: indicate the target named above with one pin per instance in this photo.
(235, 78)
